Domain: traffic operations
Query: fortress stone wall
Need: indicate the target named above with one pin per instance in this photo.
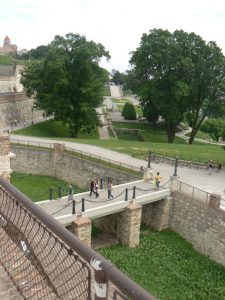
(10, 79)
(203, 226)
(17, 107)
(64, 166)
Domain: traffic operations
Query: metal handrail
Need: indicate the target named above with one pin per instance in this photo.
(81, 153)
(107, 270)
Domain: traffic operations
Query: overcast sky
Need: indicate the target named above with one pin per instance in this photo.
(117, 24)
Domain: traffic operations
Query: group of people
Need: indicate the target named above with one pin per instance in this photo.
(94, 186)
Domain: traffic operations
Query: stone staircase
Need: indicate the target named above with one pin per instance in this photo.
(7, 289)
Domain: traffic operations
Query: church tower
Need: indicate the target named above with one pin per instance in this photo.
(7, 42)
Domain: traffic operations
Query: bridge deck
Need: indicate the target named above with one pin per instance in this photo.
(61, 209)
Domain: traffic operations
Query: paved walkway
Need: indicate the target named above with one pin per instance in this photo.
(199, 178)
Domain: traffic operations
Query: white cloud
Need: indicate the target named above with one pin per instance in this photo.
(117, 24)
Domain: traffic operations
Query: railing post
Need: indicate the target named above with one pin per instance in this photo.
(126, 194)
(60, 192)
(134, 192)
(149, 159)
(73, 207)
(50, 194)
(175, 167)
(101, 184)
(83, 205)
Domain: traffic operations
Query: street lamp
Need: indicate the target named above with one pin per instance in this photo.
(175, 167)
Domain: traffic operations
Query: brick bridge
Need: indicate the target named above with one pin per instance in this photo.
(133, 203)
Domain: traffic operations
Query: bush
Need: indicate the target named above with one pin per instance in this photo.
(214, 127)
(129, 112)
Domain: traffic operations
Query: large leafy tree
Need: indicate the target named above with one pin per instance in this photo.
(168, 71)
(68, 81)
(207, 86)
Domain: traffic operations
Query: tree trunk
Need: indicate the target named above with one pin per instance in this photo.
(171, 130)
(195, 129)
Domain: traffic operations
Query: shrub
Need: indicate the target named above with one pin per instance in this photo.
(214, 127)
(129, 112)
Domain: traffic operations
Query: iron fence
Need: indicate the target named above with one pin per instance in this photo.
(46, 261)
(81, 154)
(156, 158)
(196, 193)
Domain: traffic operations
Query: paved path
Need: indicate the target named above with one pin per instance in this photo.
(198, 178)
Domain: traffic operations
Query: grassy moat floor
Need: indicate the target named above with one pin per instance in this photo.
(169, 268)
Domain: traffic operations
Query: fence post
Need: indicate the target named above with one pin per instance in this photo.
(50, 194)
(149, 159)
(73, 207)
(83, 206)
(175, 167)
(101, 184)
(134, 192)
(60, 192)
(126, 194)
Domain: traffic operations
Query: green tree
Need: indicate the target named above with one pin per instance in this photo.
(118, 78)
(68, 81)
(38, 53)
(207, 85)
(177, 73)
(159, 72)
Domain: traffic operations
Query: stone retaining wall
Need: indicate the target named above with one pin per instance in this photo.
(64, 166)
(16, 108)
(201, 224)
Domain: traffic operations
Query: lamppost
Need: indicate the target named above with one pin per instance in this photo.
(175, 167)
(32, 115)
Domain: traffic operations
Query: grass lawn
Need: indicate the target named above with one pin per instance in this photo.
(120, 100)
(169, 268)
(196, 152)
(37, 187)
(54, 129)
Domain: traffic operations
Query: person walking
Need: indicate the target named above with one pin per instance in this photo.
(109, 189)
(96, 188)
(92, 187)
(158, 179)
(210, 167)
(70, 193)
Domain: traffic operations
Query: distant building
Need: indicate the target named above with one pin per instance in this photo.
(7, 47)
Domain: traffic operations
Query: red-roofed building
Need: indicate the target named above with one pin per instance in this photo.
(7, 47)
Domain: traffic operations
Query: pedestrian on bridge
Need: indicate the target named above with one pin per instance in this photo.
(92, 187)
(70, 193)
(158, 179)
(96, 188)
(109, 188)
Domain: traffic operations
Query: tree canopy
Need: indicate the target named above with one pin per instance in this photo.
(67, 81)
(176, 73)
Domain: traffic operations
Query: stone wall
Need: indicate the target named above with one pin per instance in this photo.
(64, 166)
(200, 224)
(10, 79)
(17, 107)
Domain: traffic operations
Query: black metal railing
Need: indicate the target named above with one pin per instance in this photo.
(193, 191)
(46, 261)
(82, 154)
